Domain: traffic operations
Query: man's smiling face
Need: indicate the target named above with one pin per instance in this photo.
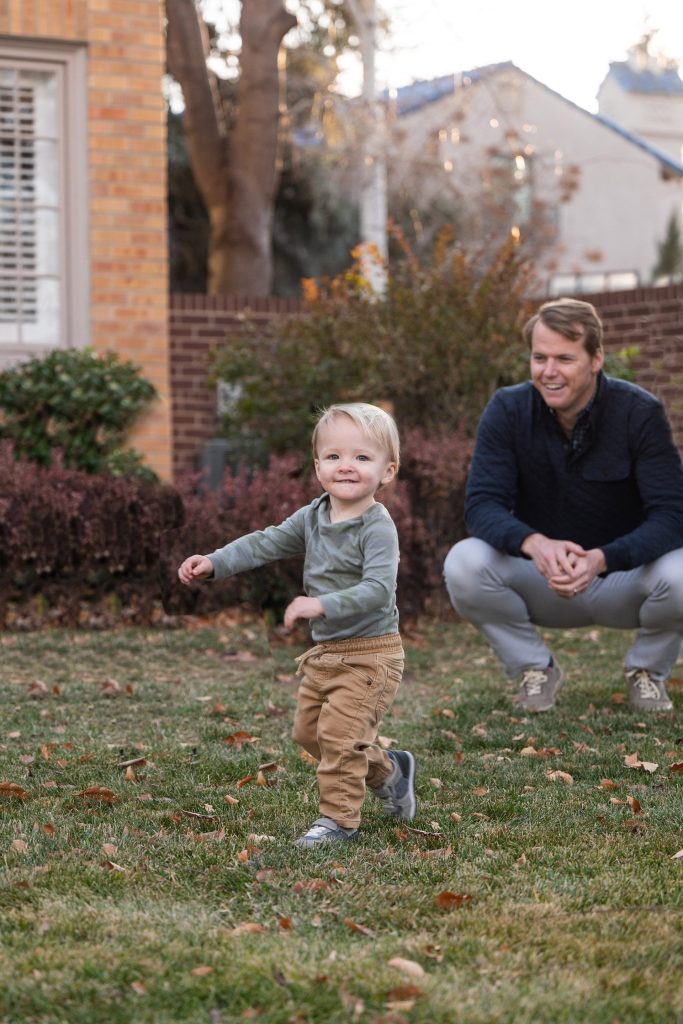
(563, 372)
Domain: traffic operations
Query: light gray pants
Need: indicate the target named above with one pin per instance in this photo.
(506, 597)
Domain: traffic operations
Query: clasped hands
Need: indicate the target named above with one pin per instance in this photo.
(568, 567)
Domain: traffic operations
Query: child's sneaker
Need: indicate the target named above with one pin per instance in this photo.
(325, 830)
(397, 794)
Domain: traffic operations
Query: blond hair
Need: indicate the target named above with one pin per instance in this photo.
(374, 423)
(564, 316)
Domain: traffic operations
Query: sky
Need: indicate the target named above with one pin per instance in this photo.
(566, 46)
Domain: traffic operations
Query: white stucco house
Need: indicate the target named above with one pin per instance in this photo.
(593, 193)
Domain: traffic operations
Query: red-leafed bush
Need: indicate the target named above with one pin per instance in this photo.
(71, 537)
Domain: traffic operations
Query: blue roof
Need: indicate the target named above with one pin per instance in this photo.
(663, 82)
(419, 94)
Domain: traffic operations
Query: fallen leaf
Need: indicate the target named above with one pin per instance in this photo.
(110, 688)
(201, 971)
(409, 967)
(480, 791)
(112, 866)
(441, 854)
(199, 817)
(448, 900)
(455, 816)
(245, 780)
(130, 775)
(458, 757)
(286, 923)
(19, 846)
(561, 777)
(37, 690)
(386, 742)
(138, 988)
(307, 758)
(633, 761)
(634, 804)
(109, 849)
(230, 799)
(678, 856)
(135, 762)
(677, 766)
(13, 791)
(359, 928)
(236, 739)
(608, 784)
(99, 793)
(49, 830)
(247, 928)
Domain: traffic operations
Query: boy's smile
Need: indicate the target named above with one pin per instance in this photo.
(350, 467)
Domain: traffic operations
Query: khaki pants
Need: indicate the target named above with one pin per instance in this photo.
(347, 686)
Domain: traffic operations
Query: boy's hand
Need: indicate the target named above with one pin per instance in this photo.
(303, 608)
(195, 568)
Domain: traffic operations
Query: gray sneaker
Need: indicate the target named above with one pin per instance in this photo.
(539, 687)
(325, 830)
(397, 794)
(645, 693)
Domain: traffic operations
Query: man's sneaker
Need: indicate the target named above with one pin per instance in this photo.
(397, 794)
(539, 687)
(325, 830)
(645, 693)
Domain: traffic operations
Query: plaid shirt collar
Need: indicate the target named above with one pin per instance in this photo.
(581, 431)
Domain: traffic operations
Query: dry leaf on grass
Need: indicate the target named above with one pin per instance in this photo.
(678, 856)
(247, 928)
(561, 777)
(19, 846)
(110, 688)
(37, 690)
(138, 988)
(448, 900)
(409, 967)
(608, 784)
(633, 761)
(359, 928)
(634, 804)
(677, 766)
(236, 739)
(13, 791)
(201, 971)
(99, 793)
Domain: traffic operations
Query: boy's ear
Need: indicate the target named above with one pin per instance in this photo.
(316, 466)
(389, 474)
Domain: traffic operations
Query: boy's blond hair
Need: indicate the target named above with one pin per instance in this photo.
(376, 424)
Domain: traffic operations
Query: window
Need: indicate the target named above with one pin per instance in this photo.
(43, 213)
(594, 281)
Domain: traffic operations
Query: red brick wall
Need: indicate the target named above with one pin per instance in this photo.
(198, 323)
(651, 318)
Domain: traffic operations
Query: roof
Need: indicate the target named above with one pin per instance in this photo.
(660, 82)
(410, 98)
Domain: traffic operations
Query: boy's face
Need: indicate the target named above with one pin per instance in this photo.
(350, 466)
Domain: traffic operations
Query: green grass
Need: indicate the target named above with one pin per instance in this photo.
(107, 909)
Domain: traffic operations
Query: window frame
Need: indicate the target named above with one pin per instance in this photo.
(68, 61)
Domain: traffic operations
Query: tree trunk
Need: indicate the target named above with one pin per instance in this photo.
(235, 172)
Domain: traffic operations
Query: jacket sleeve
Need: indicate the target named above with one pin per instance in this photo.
(659, 476)
(492, 482)
(377, 586)
(260, 547)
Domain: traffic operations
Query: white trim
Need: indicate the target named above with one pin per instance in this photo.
(69, 61)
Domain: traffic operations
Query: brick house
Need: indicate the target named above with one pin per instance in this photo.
(83, 241)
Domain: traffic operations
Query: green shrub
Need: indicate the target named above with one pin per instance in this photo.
(435, 346)
(78, 402)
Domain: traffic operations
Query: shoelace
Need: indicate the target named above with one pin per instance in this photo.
(534, 681)
(646, 687)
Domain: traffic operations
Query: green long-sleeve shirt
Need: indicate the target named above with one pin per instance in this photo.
(350, 566)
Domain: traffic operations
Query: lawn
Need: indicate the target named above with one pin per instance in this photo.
(150, 793)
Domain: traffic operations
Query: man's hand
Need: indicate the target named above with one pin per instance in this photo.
(552, 558)
(194, 569)
(303, 608)
(586, 568)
